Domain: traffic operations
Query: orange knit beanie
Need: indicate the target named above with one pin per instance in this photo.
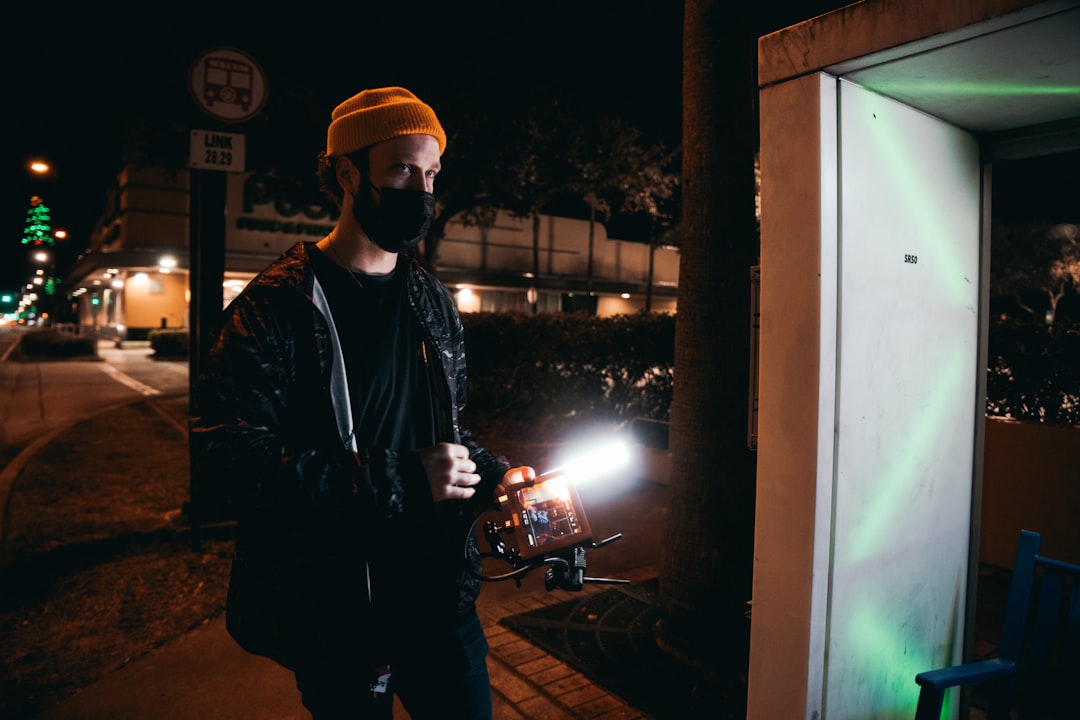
(373, 116)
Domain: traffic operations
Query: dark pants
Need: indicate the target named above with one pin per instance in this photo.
(436, 674)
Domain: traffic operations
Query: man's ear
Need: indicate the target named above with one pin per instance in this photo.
(345, 170)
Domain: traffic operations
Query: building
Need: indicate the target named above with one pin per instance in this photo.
(136, 274)
(881, 126)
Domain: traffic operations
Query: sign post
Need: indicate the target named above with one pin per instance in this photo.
(230, 87)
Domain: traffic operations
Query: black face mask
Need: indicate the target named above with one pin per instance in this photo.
(401, 219)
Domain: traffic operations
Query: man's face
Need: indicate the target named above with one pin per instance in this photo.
(405, 162)
(394, 205)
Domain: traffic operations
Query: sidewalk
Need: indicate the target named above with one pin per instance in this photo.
(205, 675)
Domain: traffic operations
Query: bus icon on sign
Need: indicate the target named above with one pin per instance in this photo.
(228, 85)
(227, 81)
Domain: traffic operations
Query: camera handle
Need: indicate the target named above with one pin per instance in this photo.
(566, 568)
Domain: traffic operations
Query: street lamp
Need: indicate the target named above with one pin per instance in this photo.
(40, 167)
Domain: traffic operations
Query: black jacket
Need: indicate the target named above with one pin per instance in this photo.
(339, 545)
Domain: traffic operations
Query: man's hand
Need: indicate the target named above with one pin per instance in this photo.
(450, 473)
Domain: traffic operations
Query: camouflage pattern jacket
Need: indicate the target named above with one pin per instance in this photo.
(338, 546)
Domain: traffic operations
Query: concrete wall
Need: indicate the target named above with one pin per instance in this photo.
(147, 208)
(149, 298)
(1031, 481)
(507, 247)
(794, 364)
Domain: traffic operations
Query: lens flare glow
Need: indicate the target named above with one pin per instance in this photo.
(594, 463)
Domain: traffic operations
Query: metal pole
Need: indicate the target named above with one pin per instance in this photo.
(206, 274)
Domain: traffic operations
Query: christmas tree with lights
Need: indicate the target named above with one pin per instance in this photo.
(38, 231)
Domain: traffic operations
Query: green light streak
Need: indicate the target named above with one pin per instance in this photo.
(891, 658)
(920, 201)
(943, 256)
(955, 88)
(901, 471)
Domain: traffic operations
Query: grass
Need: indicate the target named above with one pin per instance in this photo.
(93, 574)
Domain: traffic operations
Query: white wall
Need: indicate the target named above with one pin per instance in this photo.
(907, 339)
(867, 412)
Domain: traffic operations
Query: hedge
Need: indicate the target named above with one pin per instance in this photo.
(169, 342)
(53, 343)
(561, 365)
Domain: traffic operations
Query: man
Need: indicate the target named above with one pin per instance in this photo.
(331, 402)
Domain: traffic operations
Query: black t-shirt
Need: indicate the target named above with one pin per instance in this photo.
(382, 342)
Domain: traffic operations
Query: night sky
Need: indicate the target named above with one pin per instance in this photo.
(75, 85)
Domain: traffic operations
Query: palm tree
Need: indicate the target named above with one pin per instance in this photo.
(706, 567)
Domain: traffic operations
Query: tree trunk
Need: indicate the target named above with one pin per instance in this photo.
(705, 572)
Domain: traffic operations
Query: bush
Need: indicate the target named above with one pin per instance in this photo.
(561, 365)
(1032, 371)
(169, 342)
(52, 343)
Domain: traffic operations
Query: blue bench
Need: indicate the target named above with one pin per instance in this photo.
(1036, 671)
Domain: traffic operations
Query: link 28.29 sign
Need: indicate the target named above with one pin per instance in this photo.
(216, 151)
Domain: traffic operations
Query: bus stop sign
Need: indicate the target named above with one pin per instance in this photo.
(228, 84)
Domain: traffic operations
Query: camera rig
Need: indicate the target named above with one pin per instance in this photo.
(548, 523)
